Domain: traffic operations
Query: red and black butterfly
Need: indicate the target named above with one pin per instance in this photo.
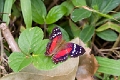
(59, 49)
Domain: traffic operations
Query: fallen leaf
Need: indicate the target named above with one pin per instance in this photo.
(88, 65)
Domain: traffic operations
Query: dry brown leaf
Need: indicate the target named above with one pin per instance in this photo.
(87, 66)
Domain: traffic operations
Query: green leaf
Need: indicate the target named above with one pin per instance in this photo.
(69, 6)
(116, 15)
(29, 38)
(95, 4)
(43, 62)
(17, 61)
(75, 29)
(40, 61)
(108, 35)
(26, 11)
(64, 34)
(108, 5)
(79, 3)
(107, 26)
(38, 11)
(55, 14)
(7, 9)
(108, 66)
(87, 33)
(1, 6)
(79, 14)
(40, 47)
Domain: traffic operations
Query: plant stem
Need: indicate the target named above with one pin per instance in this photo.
(9, 38)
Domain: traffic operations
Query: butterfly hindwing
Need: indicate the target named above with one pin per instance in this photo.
(55, 38)
(62, 54)
(76, 50)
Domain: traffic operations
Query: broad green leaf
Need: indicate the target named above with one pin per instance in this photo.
(55, 14)
(40, 47)
(87, 33)
(117, 15)
(79, 3)
(29, 38)
(1, 7)
(108, 5)
(95, 4)
(38, 11)
(108, 35)
(75, 29)
(79, 14)
(17, 61)
(69, 6)
(108, 66)
(64, 34)
(26, 11)
(7, 9)
(40, 61)
(43, 62)
(107, 26)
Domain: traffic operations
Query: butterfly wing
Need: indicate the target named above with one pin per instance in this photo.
(55, 38)
(62, 54)
(71, 49)
(76, 50)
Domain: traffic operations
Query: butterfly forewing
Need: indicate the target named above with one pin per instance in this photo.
(55, 32)
(55, 38)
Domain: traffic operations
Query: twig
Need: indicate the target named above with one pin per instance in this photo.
(117, 42)
(9, 38)
(109, 49)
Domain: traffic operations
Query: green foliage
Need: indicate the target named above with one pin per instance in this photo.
(100, 17)
(1, 6)
(7, 9)
(79, 14)
(75, 29)
(18, 61)
(32, 48)
(38, 11)
(87, 33)
(107, 35)
(109, 66)
(26, 11)
(29, 39)
(69, 6)
(78, 3)
(109, 25)
(55, 14)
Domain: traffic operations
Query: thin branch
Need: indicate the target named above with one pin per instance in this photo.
(9, 38)
(116, 42)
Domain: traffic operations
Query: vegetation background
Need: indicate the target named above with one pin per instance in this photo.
(95, 22)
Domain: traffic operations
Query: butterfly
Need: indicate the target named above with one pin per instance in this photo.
(59, 49)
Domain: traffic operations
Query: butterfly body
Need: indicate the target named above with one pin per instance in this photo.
(59, 49)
